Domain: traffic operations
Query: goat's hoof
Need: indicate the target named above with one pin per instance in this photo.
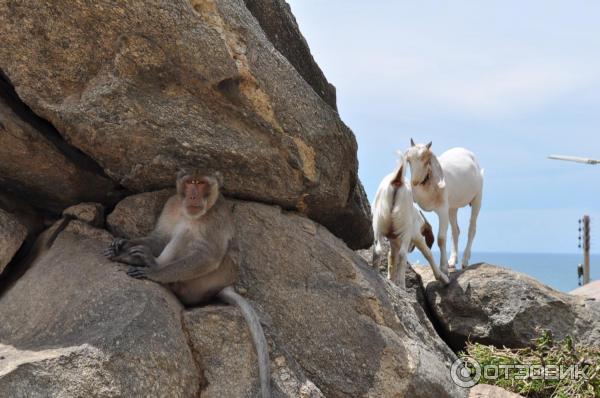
(444, 279)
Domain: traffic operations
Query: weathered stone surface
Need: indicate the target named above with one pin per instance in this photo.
(146, 87)
(91, 213)
(351, 332)
(498, 306)
(75, 325)
(356, 231)
(27, 215)
(590, 290)
(136, 215)
(414, 284)
(12, 235)
(279, 24)
(38, 166)
(488, 391)
(221, 341)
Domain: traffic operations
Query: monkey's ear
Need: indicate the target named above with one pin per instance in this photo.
(219, 177)
(182, 173)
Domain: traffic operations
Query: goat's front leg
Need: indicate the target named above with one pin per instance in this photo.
(422, 246)
(442, 232)
(453, 214)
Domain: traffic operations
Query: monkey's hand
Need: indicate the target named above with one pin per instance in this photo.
(139, 255)
(117, 247)
(138, 272)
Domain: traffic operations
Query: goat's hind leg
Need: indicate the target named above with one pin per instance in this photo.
(475, 207)
(396, 270)
(453, 215)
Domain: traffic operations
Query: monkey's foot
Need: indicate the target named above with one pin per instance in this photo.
(138, 272)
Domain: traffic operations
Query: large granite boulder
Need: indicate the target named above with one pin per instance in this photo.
(76, 326)
(350, 332)
(37, 164)
(498, 306)
(12, 235)
(221, 341)
(279, 24)
(135, 90)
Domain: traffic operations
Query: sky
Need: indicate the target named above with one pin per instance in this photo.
(512, 81)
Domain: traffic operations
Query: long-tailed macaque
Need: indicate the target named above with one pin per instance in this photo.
(192, 250)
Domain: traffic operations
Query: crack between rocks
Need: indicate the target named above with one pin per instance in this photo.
(442, 333)
(202, 382)
(46, 129)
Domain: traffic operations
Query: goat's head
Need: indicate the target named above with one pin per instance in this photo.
(418, 157)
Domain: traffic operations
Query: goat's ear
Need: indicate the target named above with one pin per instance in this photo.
(428, 146)
(412, 142)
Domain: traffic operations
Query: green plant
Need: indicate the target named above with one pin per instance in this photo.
(559, 360)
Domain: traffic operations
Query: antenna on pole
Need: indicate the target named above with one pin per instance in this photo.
(576, 159)
(586, 249)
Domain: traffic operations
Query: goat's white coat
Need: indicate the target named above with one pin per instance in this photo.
(394, 212)
(456, 180)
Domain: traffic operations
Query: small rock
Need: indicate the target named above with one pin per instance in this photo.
(488, 391)
(498, 306)
(136, 215)
(91, 213)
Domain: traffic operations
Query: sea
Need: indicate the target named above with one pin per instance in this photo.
(558, 270)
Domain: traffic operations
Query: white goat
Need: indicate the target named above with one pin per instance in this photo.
(396, 218)
(444, 185)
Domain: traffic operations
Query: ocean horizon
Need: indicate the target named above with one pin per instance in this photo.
(557, 270)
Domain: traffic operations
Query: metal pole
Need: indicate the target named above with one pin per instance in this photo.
(586, 249)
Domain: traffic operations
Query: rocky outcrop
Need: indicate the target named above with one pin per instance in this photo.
(221, 342)
(279, 24)
(136, 90)
(76, 325)
(337, 323)
(37, 165)
(498, 306)
(12, 235)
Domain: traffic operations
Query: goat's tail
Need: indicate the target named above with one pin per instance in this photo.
(258, 336)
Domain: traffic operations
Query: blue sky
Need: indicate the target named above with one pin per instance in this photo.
(513, 81)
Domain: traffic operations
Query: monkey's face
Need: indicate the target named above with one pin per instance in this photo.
(198, 194)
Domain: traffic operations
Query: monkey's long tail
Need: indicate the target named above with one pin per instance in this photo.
(258, 336)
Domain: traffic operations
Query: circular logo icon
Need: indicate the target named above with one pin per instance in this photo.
(465, 372)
